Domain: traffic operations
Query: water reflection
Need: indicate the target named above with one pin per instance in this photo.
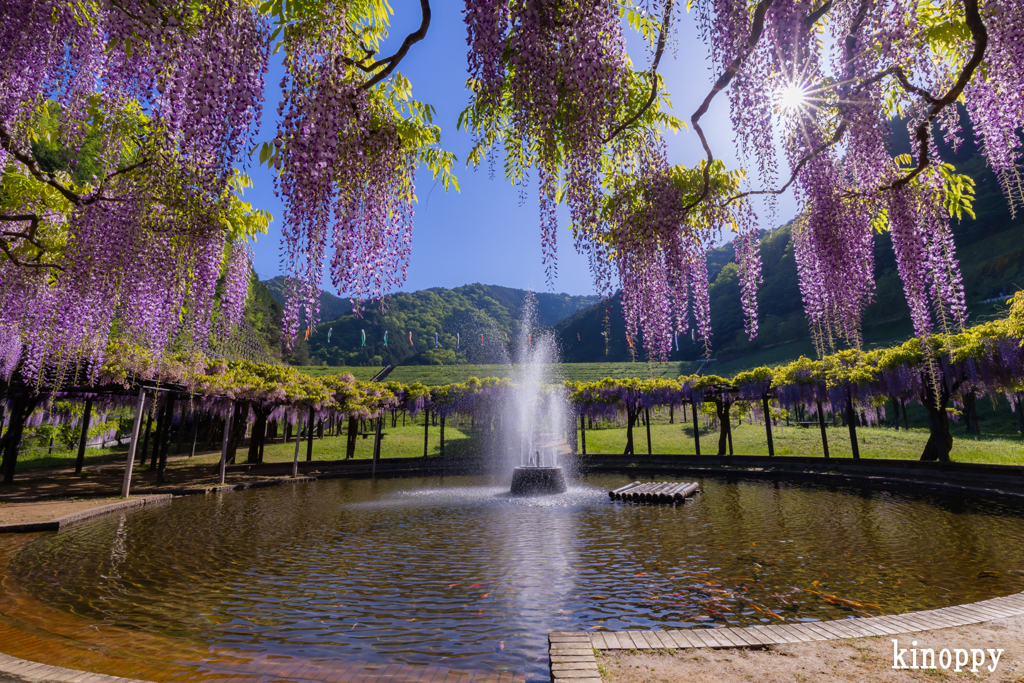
(410, 571)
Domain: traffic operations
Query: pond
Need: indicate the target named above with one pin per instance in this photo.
(399, 574)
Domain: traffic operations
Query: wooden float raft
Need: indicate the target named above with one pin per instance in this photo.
(655, 492)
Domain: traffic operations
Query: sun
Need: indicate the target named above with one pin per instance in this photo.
(792, 98)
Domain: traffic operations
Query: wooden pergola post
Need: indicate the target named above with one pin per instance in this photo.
(851, 418)
(224, 445)
(821, 424)
(165, 446)
(157, 435)
(86, 418)
(376, 444)
(127, 483)
(426, 431)
(350, 438)
(309, 436)
(443, 417)
(768, 425)
(145, 436)
(298, 441)
(647, 422)
(696, 428)
(583, 433)
(728, 423)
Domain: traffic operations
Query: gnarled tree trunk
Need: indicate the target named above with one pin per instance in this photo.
(21, 407)
(238, 424)
(724, 428)
(971, 424)
(935, 400)
(259, 431)
(631, 420)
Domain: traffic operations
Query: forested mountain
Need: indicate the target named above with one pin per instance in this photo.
(331, 307)
(458, 316)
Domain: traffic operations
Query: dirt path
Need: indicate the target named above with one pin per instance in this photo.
(832, 661)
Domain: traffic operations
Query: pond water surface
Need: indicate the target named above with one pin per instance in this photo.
(456, 573)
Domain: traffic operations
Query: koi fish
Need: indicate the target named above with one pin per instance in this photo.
(849, 603)
(474, 585)
(640, 574)
(598, 597)
(452, 585)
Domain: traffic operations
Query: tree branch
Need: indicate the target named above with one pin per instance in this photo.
(31, 217)
(33, 168)
(756, 29)
(850, 47)
(50, 179)
(811, 19)
(662, 39)
(844, 125)
(28, 236)
(392, 61)
(980, 35)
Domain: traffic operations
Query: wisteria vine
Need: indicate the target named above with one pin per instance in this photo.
(150, 106)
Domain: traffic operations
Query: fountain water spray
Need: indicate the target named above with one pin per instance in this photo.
(539, 409)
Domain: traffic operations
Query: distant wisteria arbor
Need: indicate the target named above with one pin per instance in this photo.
(124, 125)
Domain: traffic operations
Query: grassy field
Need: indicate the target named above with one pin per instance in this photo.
(608, 438)
(1000, 441)
(750, 440)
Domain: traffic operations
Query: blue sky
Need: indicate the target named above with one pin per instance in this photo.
(487, 232)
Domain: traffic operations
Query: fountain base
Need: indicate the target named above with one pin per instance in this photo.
(537, 481)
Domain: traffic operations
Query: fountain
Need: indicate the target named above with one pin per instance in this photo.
(540, 412)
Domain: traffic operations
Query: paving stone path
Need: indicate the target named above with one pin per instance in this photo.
(572, 652)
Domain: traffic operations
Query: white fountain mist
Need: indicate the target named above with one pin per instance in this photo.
(539, 410)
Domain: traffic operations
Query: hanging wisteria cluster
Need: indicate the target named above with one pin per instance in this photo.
(658, 233)
(347, 180)
(549, 79)
(160, 101)
(834, 73)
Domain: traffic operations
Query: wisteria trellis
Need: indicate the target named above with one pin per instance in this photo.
(174, 92)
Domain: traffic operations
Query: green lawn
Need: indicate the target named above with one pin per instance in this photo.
(751, 440)
(998, 444)
(39, 458)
